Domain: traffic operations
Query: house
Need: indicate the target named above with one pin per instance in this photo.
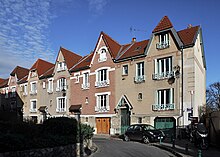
(11, 103)
(161, 81)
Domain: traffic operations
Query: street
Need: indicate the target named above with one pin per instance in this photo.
(118, 148)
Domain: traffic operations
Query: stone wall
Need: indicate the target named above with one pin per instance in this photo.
(62, 151)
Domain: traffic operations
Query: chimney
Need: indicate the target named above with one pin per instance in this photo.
(133, 40)
(189, 26)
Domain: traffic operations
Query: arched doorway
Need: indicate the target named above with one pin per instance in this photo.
(124, 110)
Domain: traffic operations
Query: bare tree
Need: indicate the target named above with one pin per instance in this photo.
(213, 96)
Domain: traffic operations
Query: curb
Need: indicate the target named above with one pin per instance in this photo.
(167, 149)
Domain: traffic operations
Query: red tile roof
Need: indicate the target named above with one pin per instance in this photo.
(4, 83)
(83, 63)
(163, 24)
(49, 72)
(1, 80)
(113, 46)
(70, 57)
(20, 72)
(187, 36)
(41, 66)
(138, 48)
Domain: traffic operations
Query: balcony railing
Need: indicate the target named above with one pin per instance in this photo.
(163, 75)
(159, 107)
(139, 79)
(85, 86)
(33, 92)
(61, 69)
(49, 91)
(33, 110)
(60, 109)
(63, 88)
(102, 59)
(102, 109)
(104, 83)
(163, 45)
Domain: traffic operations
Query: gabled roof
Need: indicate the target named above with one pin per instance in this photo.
(48, 73)
(20, 72)
(23, 80)
(41, 66)
(135, 49)
(4, 83)
(70, 57)
(1, 80)
(113, 46)
(84, 63)
(163, 24)
(187, 36)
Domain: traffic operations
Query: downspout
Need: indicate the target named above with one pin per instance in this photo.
(181, 114)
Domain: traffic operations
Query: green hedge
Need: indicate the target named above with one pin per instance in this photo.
(23, 136)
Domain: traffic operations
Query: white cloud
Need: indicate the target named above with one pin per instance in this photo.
(97, 6)
(24, 33)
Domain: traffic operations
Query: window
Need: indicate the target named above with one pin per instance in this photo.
(61, 84)
(139, 96)
(140, 77)
(163, 68)
(6, 92)
(50, 86)
(33, 88)
(102, 102)
(125, 70)
(24, 90)
(33, 106)
(163, 41)
(44, 85)
(76, 75)
(61, 104)
(102, 55)
(102, 78)
(13, 92)
(61, 66)
(85, 84)
(164, 100)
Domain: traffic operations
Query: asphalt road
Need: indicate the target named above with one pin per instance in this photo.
(118, 148)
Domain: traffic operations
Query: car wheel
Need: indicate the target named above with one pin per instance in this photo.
(146, 140)
(126, 138)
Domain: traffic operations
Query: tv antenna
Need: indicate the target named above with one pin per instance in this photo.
(133, 30)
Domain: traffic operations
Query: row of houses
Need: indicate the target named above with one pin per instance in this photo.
(160, 81)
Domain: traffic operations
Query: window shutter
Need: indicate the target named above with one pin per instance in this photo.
(155, 67)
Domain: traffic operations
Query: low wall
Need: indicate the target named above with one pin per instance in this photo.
(62, 151)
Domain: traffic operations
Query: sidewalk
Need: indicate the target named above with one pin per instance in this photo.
(180, 149)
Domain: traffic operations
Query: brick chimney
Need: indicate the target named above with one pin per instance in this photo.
(189, 26)
(133, 40)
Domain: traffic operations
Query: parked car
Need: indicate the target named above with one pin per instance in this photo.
(143, 132)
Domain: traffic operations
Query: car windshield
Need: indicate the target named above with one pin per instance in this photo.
(148, 127)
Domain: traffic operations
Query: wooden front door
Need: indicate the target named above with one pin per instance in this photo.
(103, 125)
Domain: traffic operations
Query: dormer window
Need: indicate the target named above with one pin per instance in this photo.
(163, 41)
(61, 66)
(102, 55)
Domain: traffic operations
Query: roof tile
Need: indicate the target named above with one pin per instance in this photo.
(41, 66)
(163, 24)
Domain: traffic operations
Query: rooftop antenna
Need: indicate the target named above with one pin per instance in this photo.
(133, 30)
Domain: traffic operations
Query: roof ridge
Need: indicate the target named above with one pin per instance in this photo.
(110, 37)
(164, 23)
(80, 61)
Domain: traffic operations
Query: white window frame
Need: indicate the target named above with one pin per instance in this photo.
(32, 109)
(164, 105)
(163, 41)
(6, 92)
(102, 54)
(124, 70)
(33, 91)
(61, 84)
(61, 66)
(50, 85)
(61, 105)
(25, 87)
(139, 77)
(13, 91)
(100, 101)
(76, 75)
(100, 81)
(161, 70)
(86, 83)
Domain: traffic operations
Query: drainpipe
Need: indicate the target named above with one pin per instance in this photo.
(181, 114)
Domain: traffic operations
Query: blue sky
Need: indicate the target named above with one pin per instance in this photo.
(32, 29)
